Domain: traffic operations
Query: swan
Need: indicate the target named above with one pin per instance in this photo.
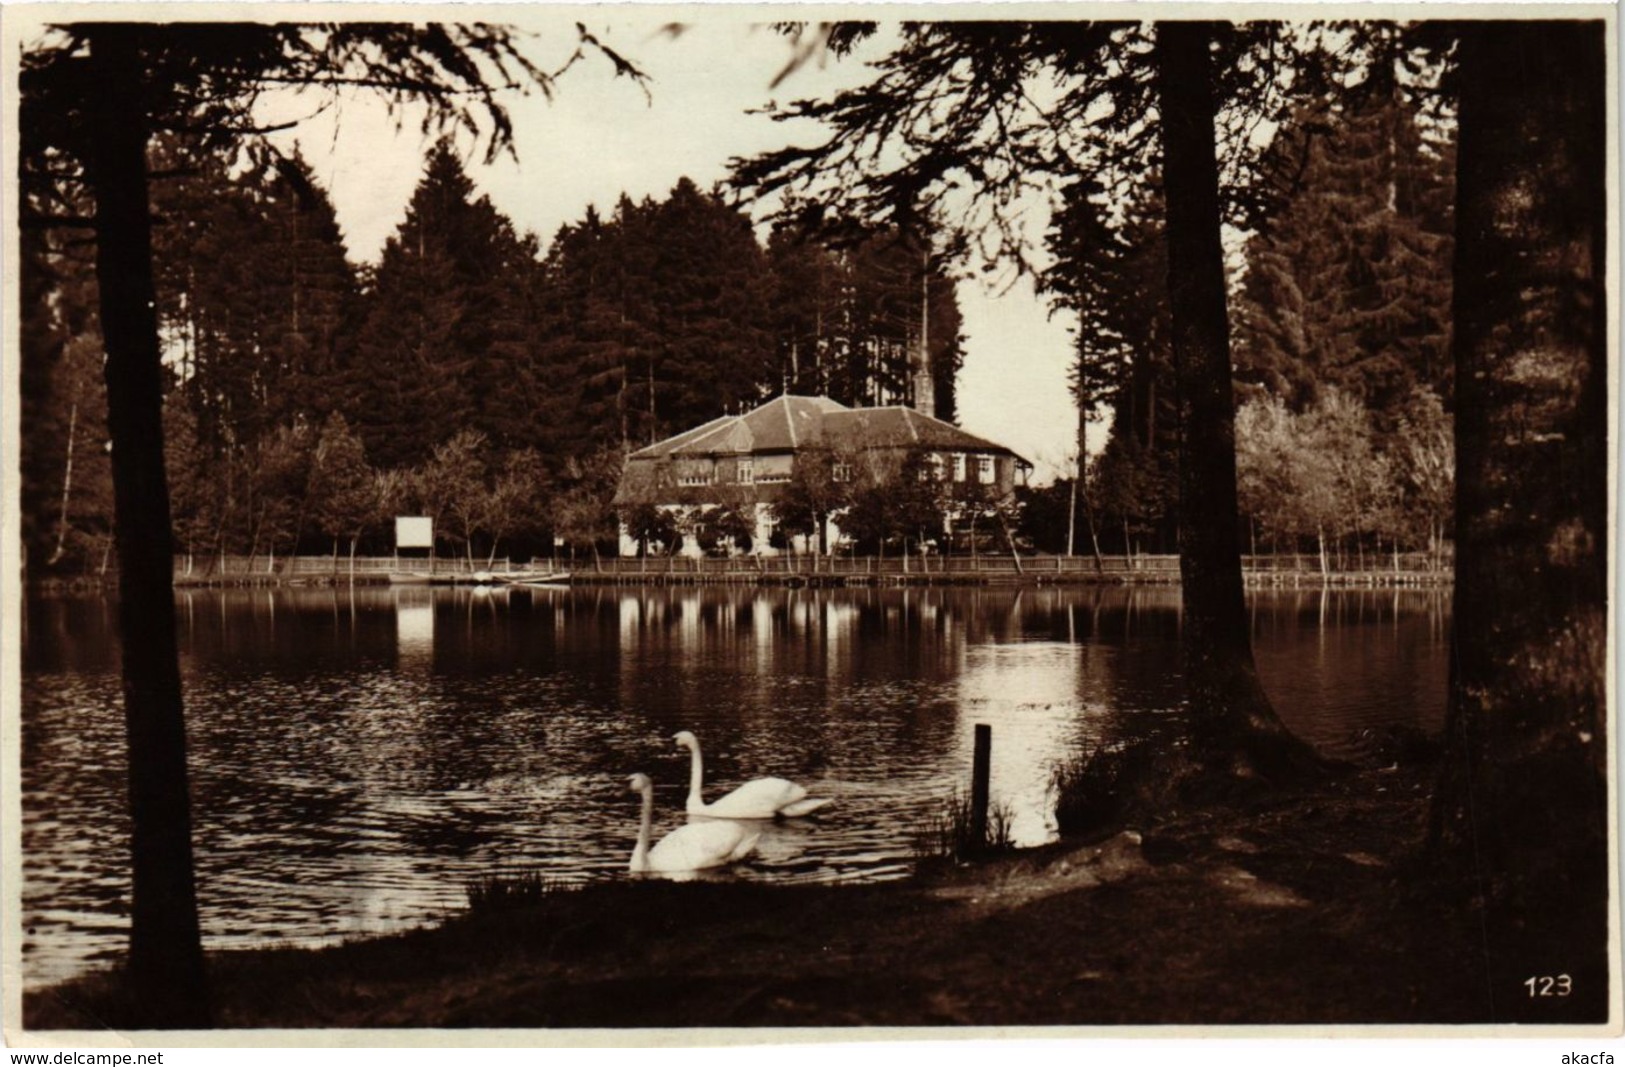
(761, 798)
(687, 848)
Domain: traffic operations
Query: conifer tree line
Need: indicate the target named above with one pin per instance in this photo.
(471, 374)
(1340, 325)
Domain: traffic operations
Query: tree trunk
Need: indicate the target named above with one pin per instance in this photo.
(165, 971)
(1010, 543)
(1521, 807)
(1094, 537)
(1072, 518)
(67, 490)
(1231, 717)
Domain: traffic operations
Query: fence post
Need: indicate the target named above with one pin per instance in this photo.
(981, 766)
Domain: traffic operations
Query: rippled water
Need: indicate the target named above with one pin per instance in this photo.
(359, 756)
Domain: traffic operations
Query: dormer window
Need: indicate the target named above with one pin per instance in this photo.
(692, 474)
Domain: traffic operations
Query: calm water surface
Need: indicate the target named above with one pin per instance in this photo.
(359, 756)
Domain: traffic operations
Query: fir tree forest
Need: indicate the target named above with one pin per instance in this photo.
(471, 375)
(494, 381)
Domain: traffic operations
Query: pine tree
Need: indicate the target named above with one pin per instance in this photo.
(311, 292)
(807, 282)
(601, 341)
(92, 97)
(708, 298)
(1110, 269)
(1348, 287)
(849, 308)
(256, 296)
(420, 340)
(1521, 812)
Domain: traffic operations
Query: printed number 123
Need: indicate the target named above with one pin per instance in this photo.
(1549, 986)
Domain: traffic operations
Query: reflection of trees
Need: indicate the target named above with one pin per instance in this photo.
(1318, 647)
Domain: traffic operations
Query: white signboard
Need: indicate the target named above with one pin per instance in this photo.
(414, 531)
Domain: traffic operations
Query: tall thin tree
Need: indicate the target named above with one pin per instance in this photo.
(92, 95)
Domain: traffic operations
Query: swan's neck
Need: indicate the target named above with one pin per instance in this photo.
(696, 774)
(640, 852)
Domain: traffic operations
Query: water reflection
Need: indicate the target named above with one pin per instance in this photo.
(359, 755)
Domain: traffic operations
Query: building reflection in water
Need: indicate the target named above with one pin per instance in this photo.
(359, 755)
(414, 627)
(876, 688)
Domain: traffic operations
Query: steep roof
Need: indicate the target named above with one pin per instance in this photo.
(780, 425)
(787, 423)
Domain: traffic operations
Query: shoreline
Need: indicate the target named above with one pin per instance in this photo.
(1307, 906)
(1252, 579)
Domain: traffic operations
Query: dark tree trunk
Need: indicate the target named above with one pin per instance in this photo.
(166, 961)
(1231, 718)
(1521, 807)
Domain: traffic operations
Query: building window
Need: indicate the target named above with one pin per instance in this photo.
(842, 472)
(984, 469)
(747, 472)
(694, 476)
(959, 466)
(936, 469)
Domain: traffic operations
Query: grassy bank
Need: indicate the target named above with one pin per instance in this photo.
(1303, 908)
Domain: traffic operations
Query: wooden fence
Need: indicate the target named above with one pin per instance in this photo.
(245, 569)
(1407, 569)
(1410, 569)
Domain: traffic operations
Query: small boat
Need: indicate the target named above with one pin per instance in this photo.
(480, 578)
(445, 578)
(538, 578)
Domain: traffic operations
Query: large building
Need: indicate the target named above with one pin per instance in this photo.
(743, 461)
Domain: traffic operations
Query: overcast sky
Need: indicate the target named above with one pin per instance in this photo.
(599, 137)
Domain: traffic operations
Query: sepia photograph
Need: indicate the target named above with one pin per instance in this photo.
(645, 525)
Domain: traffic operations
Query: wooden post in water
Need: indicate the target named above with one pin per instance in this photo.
(981, 766)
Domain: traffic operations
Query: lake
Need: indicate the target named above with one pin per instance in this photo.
(359, 756)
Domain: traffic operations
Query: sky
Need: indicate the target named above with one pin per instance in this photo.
(600, 136)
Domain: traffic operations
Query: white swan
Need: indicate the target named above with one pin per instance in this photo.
(687, 848)
(761, 798)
